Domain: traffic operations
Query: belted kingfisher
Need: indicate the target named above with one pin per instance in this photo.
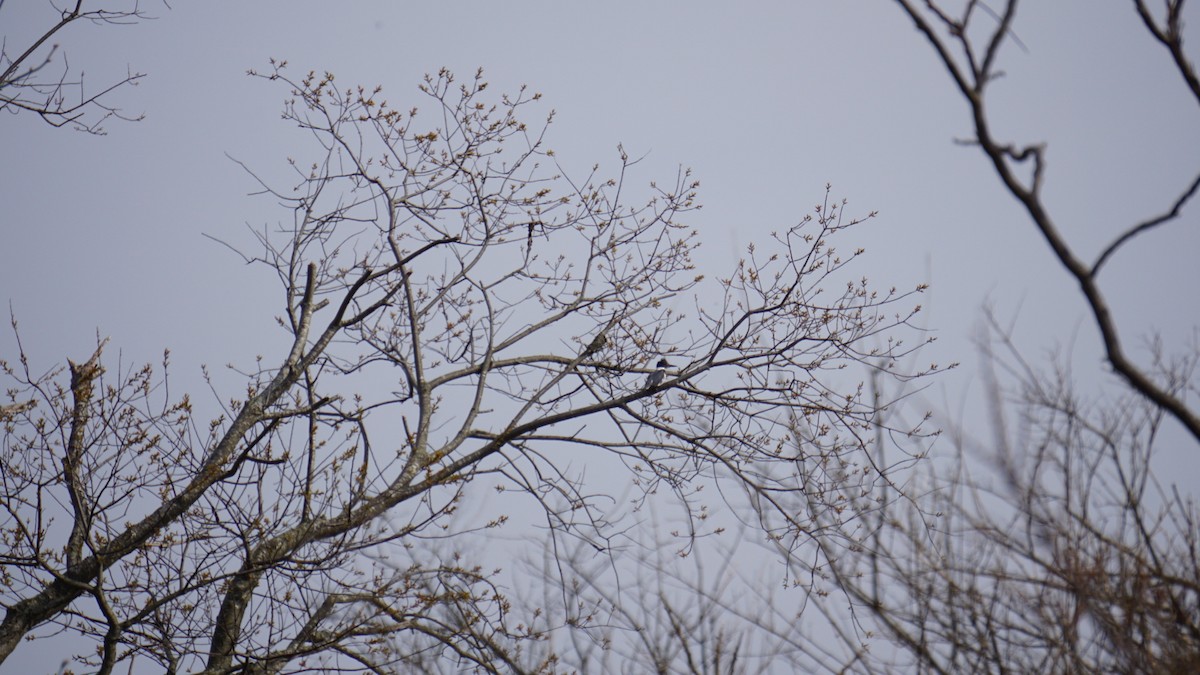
(659, 374)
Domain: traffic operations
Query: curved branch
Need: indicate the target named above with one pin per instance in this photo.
(1029, 197)
(1146, 225)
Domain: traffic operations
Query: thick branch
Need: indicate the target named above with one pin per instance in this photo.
(83, 378)
(28, 613)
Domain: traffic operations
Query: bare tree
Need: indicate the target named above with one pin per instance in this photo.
(457, 310)
(1064, 543)
(651, 608)
(32, 79)
(1062, 551)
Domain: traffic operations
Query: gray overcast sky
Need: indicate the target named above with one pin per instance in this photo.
(766, 102)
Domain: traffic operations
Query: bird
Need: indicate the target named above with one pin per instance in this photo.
(598, 343)
(659, 374)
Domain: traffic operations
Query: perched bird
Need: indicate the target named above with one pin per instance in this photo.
(597, 344)
(659, 374)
